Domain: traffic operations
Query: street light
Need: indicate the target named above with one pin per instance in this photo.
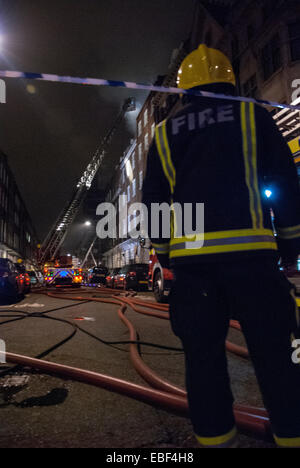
(88, 223)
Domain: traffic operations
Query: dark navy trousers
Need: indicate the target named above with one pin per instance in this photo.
(203, 299)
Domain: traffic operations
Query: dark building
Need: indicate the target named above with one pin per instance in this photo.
(18, 239)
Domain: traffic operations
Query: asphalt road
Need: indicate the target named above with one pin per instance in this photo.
(43, 411)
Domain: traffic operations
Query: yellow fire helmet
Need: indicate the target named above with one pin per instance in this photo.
(205, 66)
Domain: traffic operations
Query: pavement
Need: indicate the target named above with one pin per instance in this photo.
(45, 411)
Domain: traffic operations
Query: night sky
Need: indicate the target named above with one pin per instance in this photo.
(49, 131)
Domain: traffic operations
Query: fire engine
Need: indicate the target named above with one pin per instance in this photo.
(61, 273)
(159, 279)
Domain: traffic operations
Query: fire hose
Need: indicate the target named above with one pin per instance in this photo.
(164, 395)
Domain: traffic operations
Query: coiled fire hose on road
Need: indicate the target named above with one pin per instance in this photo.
(164, 395)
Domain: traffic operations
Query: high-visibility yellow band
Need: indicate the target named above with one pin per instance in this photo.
(246, 162)
(223, 235)
(215, 441)
(168, 153)
(287, 443)
(289, 233)
(161, 248)
(162, 158)
(254, 165)
(248, 127)
(224, 249)
(164, 152)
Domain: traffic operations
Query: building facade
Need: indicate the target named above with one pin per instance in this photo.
(18, 238)
(125, 190)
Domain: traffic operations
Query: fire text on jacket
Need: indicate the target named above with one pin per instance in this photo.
(199, 120)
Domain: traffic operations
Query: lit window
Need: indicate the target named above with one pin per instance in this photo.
(128, 194)
(133, 188)
(140, 180)
(145, 117)
(140, 151)
(139, 128)
(146, 142)
(152, 130)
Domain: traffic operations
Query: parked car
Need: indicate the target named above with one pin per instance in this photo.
(97, 275)
(40, 278)
(110, 279)
(132, 277)
(12, 283)
(159, 279)
(36, 278)
(22, 272)
(33, 278)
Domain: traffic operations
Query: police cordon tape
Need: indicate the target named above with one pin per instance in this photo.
(138, 86)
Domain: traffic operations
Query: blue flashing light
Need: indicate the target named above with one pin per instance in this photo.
(63, 274)
(268, 193)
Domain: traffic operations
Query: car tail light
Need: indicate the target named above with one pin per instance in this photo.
(132, 273)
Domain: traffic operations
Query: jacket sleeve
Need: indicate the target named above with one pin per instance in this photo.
(156, 189)
(281, 175)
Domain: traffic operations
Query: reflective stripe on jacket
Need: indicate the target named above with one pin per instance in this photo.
(223, 156)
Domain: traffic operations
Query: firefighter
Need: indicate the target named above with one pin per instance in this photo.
(230, 156)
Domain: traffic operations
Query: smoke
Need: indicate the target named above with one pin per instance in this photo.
(130, 119)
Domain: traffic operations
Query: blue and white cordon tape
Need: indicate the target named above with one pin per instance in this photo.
(131, 85)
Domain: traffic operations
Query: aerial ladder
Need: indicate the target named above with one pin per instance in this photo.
(59, 230)
(90, 253)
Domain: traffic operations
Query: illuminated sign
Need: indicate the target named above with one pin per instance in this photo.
(295, 148)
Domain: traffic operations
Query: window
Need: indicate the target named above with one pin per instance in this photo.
(128, 194)
(152, 108)
(145, 117)
(146, 142)
(124, 233)
(139, 128)
(294, 34)
(133, 188)
(140, 180)
(152, 130)
(271, 57)
(129, 223)
(140, 151)
(123, 176)
(133, 161)
(250, 87)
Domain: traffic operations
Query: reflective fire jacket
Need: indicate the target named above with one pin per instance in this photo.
(228, 162)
